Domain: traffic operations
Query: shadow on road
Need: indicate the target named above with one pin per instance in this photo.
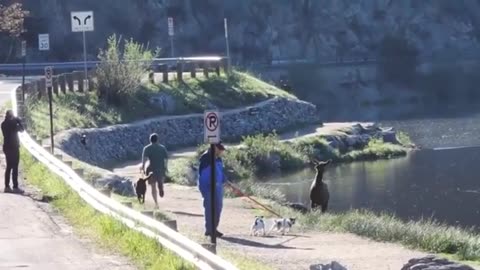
(187, 214)
(246, 242)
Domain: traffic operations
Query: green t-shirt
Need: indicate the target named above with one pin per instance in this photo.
(157, 155)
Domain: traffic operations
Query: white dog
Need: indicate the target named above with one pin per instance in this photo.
(282, 225)
(258, 226)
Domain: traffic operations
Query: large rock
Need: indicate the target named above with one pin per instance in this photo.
(117, 184)
(331, 266)
(434, 263)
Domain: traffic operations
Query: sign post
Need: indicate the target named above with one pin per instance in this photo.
(212, 136)
(43, 42)
(82, 21)
(225, 25)
(48, 84)
(170, 34)
(24, 59)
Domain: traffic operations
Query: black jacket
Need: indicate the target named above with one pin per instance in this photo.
(10, 129)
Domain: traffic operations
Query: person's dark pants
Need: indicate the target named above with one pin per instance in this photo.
(207, 205)
(12, 155)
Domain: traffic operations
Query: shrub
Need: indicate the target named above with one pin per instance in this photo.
(120, 71)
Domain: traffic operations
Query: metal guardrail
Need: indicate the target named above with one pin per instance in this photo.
(174, 241)
(92, 64)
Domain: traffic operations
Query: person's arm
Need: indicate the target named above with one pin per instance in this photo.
(143, 160)
(20, 127)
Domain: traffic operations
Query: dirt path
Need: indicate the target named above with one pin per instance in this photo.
(295, 251)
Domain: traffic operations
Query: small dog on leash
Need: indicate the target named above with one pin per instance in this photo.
(283, 225)
(141, 188)
(258, 226)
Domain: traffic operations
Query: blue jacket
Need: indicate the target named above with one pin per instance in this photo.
(204, 179)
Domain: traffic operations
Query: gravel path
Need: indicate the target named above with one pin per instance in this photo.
(295, 251)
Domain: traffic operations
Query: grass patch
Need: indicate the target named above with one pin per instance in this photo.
(263, 155)
(86, 110)
(426, 234)
(110, 233)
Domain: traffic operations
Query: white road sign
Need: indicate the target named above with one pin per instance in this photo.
(211, 122)
(82, 21)
(24, 48)
(170, 26)
(43, 42)
(48, 76)
(225, 26)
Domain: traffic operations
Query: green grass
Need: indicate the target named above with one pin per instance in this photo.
(86, 110)
(263, 155)
(145, 252)
(426, 234)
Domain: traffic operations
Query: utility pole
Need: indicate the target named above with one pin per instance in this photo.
(24, 59)
(171, 34)
(225, 24)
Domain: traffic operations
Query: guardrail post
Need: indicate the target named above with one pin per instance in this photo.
(78, 75)
(128, 204)
(91, 80)
(217, 68)
(205, 69)
(180, 71)
(79, 172)
(193, 69)
(69, 77)
(172, 224)
(63, 83)
(165, 73)
(55, 84)
(148, 213)
(151, 76)
(41, 88)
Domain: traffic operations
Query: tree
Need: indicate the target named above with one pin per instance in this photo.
(122, 66)
(12, 18)
(11, 27)
(398, 60)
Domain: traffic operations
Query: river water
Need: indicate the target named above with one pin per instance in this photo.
(441, 181)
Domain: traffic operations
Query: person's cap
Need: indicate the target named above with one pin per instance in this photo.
(220, 146)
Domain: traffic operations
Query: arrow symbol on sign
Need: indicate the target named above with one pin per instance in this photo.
(78, 19)
(85, 21)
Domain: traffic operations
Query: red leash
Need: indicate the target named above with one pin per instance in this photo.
(241, 194)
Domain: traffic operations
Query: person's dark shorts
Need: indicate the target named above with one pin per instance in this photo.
(157, 178)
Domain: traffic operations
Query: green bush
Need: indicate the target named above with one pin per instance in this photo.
(121, 68)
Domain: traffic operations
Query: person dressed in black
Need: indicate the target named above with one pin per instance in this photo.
(11, 148)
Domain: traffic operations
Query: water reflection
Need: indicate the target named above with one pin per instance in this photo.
(440, 184)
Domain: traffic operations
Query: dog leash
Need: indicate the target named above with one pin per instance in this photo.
(237, 191)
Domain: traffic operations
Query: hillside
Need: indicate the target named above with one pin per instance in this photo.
(259, 30)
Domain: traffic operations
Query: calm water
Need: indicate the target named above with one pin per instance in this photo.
(441, 181)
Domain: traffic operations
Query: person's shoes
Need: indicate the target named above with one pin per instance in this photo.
(8, 190)
(156, 206)
(18, 190)
(219, 234)
(161, 193)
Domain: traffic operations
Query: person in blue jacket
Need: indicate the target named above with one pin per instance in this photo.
(204, 184)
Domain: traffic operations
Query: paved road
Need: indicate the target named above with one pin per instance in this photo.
(32, 236)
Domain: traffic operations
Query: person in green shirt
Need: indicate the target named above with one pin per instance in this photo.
(158, 159)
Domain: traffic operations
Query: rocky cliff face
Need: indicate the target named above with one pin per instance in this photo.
(261, 30)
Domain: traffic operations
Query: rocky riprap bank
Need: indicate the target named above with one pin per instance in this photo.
(114, 144)
(434, 263)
